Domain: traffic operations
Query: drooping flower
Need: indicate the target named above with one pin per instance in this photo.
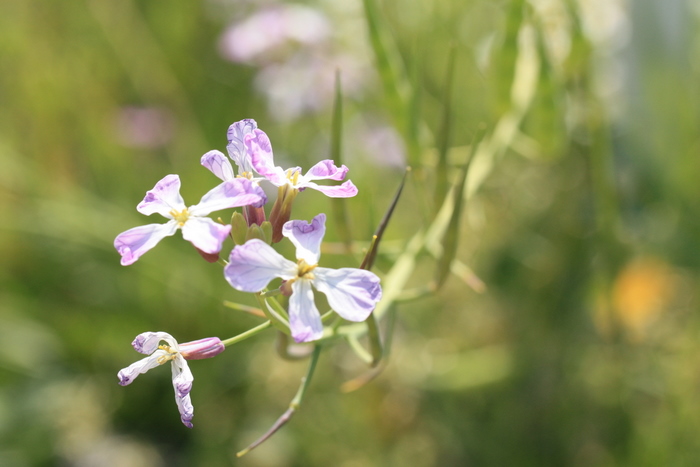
(352, 293)
(149, 343)
(205, 234)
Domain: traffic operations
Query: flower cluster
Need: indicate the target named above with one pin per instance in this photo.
(253, 263)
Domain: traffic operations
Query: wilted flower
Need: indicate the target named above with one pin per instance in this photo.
(352, 293)
(205, 234)
(149, 343)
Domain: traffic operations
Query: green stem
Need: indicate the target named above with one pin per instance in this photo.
(245, 335)
(375, 340)
(277, 320)
(293, 405)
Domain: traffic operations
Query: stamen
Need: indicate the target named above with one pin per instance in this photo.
(293, 177)
(180, 216)
(166, 358)
(304, 269)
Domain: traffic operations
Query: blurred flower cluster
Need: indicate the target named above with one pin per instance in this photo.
(295, 50)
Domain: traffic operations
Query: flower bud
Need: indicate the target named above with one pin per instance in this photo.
(202, 348)
(253, 215)
(282, 210)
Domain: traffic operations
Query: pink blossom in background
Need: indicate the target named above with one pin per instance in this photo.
(266, 32)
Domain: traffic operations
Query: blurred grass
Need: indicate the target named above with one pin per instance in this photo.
(580, 217)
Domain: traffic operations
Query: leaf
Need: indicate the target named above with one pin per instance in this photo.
(340, 212)
(368, 261)
(443, 137)
(450, 239)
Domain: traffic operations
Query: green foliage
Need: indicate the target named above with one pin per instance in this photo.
(563, 331)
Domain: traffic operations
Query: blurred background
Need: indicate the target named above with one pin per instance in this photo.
(580, 349)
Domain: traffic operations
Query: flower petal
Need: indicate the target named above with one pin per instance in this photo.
(163, 198)
(352, 293)
(326, 170)
(148, 342)
(345, 190)
(259, 149)
(218, 164)
(236, 143)
(254, 264)
(307, 237)
(230, 194)
(184, 406)
(205, 234)
(135, 242)
(182, 384)
(304, 318)
(128, 375)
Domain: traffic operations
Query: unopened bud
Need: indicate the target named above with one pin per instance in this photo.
(202, 348)
(282, 210)
(286, 288)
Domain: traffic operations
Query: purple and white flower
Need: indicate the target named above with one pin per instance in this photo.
(259, 149)
(149, 343)
(352, 293)
(219, 164)
(202, 232)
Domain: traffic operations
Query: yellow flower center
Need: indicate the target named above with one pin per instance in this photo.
(304, 269)
(166, 358)
(180, 216)
(248, 175)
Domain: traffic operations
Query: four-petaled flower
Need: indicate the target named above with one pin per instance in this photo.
(149, 343)
(202, 232)
(259, 150)
(352, 293)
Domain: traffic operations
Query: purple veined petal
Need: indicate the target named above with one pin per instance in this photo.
(148, 342)
(182, 376)
(259, 150)
(205, 234)
(128, 375)
(182, 384)
(163, 198)
(236, 143)
(230, 194)
(304, 318)
(326, 170)
(218, 164)
(352, 293)
(254, 264)
(345, 190)
(184, 406)
(307, 237)
(135, 242)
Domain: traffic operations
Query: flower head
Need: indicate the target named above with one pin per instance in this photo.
(219, 164)
(261, 158)
(202, 232)
(352, 293)
(149, 343)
